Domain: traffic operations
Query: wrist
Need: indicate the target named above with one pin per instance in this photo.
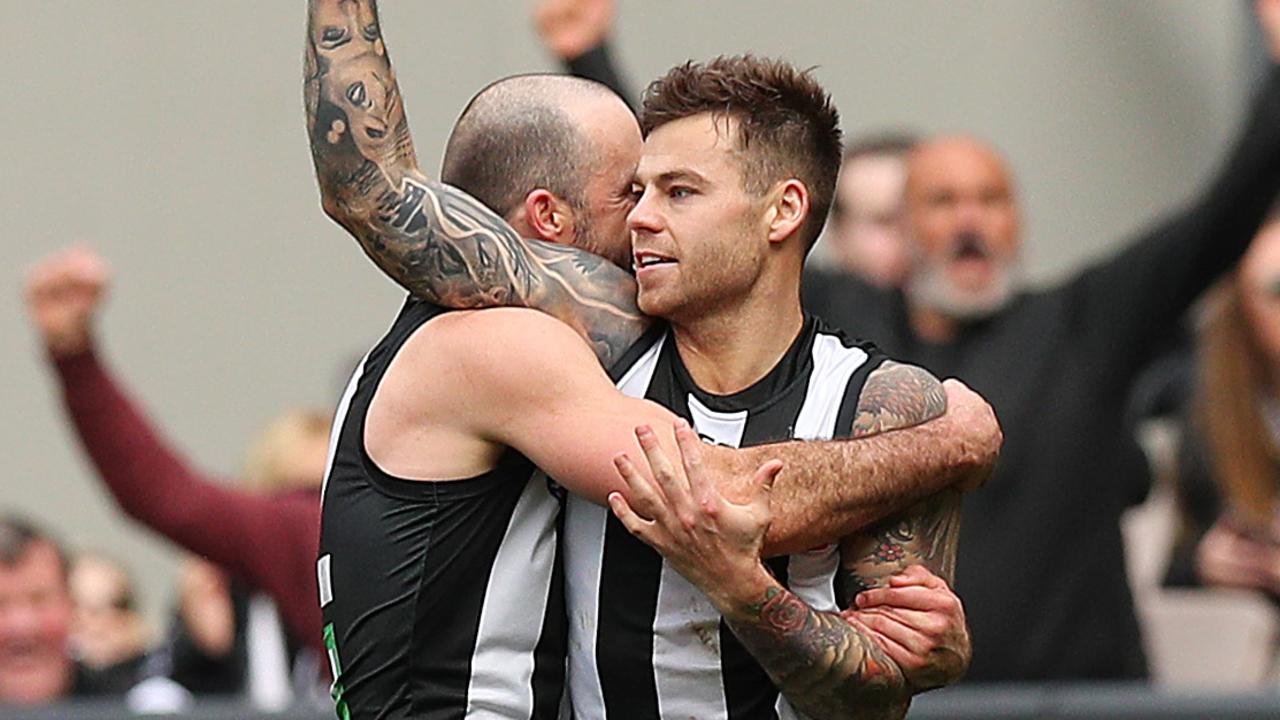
(743, 595)
(67, 344)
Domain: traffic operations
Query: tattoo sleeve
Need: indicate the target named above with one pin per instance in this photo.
(825, 665)
(830, 490)
(435, 240)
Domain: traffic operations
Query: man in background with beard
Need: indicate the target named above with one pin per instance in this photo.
(1041, 561)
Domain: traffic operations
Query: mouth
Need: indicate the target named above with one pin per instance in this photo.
(970, 246)
(642, 259)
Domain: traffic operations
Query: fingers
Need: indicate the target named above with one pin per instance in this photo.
(917, 575)
(672, 480)
(634, 524)
(704, 493)
(900, 631)
(646, 498)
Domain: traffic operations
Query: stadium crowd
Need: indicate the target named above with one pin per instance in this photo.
(921, 255)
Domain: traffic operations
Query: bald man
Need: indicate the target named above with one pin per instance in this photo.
(1041, 563)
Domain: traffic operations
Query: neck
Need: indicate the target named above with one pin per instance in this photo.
(930, 324)
(732, 347)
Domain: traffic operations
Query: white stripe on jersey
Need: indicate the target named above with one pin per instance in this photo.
(512, 615)
(686, 628)
(582, 559)
(340, 417)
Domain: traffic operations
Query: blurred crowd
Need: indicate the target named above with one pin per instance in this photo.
(920, 255)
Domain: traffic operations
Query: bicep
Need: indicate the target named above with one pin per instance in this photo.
(555, 405)
(895, 396)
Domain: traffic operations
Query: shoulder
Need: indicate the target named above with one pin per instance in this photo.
(897, 395)
(497, 350)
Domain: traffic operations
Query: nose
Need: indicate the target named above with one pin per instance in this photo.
(644, 217)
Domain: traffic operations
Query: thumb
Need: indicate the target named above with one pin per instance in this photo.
(765, 476)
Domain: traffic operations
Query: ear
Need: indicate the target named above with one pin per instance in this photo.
(788, 210)
(548, 217)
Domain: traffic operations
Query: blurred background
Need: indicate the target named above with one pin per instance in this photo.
(169, 137)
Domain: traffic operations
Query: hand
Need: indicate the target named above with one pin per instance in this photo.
(1227, 557)
(205, 607)
(63, 291)
(713, 542)
(1268, 12)
(973, 419)
(569, 28)
(919, 622)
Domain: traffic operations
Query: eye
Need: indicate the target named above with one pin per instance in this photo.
(356, 94)
(334, 36)
(679, 192)
(635, 192)
(370, 32)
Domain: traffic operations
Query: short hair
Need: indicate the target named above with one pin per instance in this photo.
(514, 137)
(894, 143)
(18, 535)
(787, 125)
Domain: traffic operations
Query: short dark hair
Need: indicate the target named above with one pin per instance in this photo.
(892, 143)
(787, 125)
(514, 137)
(17, 535)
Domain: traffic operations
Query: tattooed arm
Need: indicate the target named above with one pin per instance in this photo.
(827, 664)
(437, 241)
(944, 435)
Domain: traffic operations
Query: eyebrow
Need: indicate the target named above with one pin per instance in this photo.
(683, 174)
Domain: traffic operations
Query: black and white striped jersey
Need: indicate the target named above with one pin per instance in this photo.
(643, 642)
(441, 600)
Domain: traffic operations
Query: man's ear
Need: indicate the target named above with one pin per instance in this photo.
(548, 217)
(788, 209)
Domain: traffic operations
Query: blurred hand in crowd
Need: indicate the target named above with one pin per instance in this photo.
(569, 28)
(206, 608)
(63, 292)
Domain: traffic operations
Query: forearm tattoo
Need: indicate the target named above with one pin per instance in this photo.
(926, 534)
(824, 665)
(435, 240)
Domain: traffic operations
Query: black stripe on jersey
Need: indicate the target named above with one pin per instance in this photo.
(853, 391)
(630, 577)
(748, 691)
(638, 348)
(447, 613)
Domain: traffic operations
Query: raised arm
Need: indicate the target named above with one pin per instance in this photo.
(435, 240)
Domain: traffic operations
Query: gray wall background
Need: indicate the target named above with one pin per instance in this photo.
(169, 135)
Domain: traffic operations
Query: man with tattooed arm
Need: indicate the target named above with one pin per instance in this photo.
(437, 569)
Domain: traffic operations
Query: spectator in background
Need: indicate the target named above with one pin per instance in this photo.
(1229, 460)
(1041, 561)
(577, 33)
(227, 639)
(266, 541)
(864, 235)
(35, 623)
(108, 633)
